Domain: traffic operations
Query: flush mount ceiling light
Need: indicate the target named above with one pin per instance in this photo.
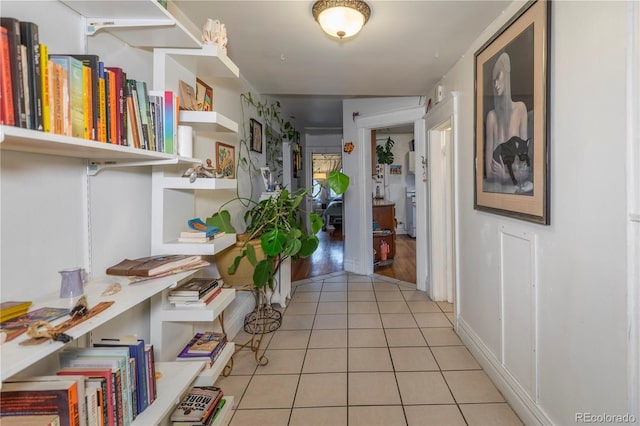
(341, 18)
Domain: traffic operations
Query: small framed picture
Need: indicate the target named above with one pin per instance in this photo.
(204, 96)
(187, 96)
(256, 136)
(226, 160)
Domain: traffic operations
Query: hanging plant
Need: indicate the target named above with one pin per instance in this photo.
(385, 156)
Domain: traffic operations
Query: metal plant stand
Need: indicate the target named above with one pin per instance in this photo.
(262, 320)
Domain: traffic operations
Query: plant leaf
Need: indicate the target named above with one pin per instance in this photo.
(316, 222)
(272, 242)
(338, 182)
(234, 266)
(292, 247)
(222, 221)
(263, 272)
(309, 246)
(251, 254)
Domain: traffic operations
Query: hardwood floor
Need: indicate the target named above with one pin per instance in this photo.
(329, 257)
(404, 262)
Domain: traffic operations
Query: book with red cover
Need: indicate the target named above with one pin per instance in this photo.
(15, 53)
(55, 397)
(6, 89)
(152, 265)
(93, 372)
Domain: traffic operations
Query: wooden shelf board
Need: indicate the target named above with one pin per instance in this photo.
(208, 313)
(207, 62)
(208, 121)
(210, 248)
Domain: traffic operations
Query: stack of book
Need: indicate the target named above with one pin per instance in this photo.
(9, 310)
(198, 232)
(206, 346)
(192, 236)
(200, 406)
(197, 292)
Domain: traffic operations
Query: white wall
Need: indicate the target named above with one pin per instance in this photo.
(579, 260)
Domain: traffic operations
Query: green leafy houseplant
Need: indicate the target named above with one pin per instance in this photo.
(278, 223)
(385, 156)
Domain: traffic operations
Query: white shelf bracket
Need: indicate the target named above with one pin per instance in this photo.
(93, 25)
(95, 167)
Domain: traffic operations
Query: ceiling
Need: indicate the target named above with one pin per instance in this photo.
(404, 49)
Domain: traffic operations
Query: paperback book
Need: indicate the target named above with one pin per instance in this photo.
(198, 405)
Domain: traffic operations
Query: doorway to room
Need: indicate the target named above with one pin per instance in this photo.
(329, 256)
(393, 208)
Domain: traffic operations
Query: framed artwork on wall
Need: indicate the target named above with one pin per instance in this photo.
(204, 96)
(256, 135)
(512, 117)
(226, 160)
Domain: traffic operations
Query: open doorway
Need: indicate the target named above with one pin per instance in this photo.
(393, 208)
(329, 257)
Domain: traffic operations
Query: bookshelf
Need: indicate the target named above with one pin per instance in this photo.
(93, 218)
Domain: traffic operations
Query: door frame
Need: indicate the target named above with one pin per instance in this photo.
(444, 112)
(364, 125)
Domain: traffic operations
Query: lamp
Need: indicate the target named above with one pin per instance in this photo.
(341, 18)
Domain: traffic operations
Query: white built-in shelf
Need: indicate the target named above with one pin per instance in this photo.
(209, 375)
(173, 380)
(208, 313)
(25, 140)
(207, 62)
(225, 413)
(141, 23)
(208, 121)
(172, 182)
(16, 358)
(204, 249)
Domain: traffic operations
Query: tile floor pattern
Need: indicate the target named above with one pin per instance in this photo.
(361, 351)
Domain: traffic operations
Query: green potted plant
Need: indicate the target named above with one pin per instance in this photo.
(278, 224)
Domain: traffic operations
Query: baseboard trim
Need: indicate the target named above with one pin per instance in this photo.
(529, 412)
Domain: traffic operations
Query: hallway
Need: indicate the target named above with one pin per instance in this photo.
(357, 350)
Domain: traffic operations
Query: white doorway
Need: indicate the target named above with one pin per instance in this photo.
(436, 200)
(365, 124)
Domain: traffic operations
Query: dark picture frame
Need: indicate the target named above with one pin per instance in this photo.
(256, 136)
(512, 86)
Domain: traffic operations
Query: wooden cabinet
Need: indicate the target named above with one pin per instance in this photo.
(384, 214)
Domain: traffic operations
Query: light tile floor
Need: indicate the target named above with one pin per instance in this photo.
(357, 350)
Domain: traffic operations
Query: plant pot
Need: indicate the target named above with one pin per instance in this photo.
(244, 273)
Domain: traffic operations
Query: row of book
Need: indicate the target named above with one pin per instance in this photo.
(108, 384)
(199, 407)
(77, 95)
